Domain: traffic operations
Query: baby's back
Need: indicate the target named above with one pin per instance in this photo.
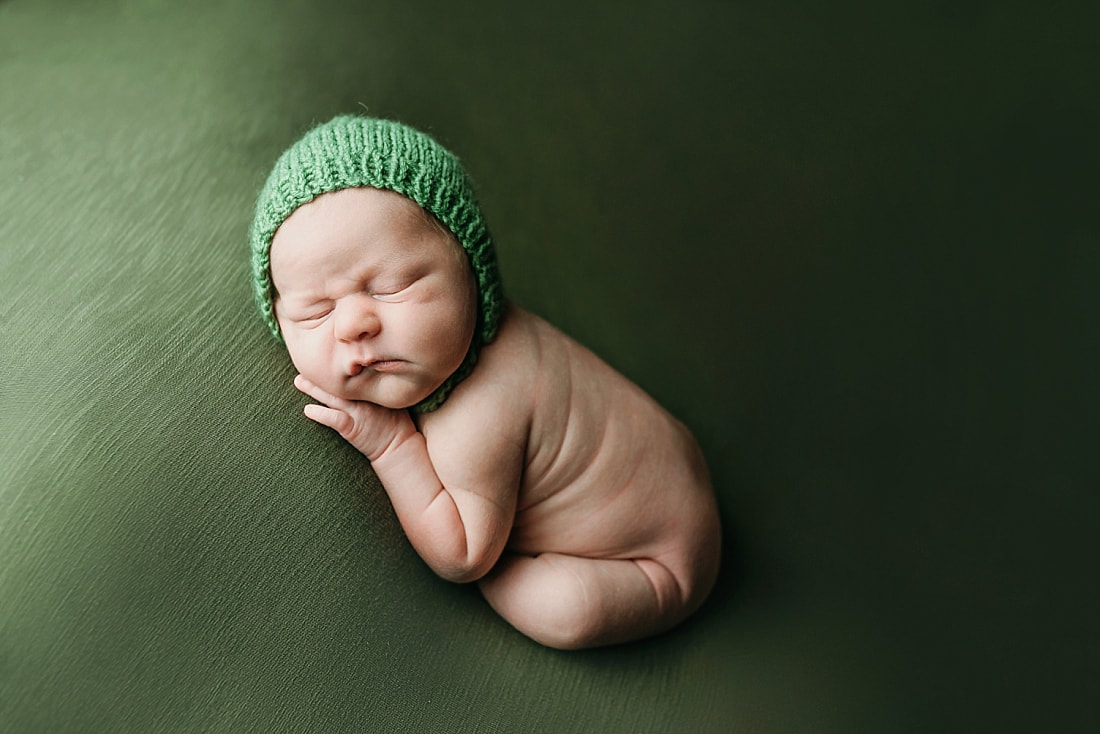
(608, 473)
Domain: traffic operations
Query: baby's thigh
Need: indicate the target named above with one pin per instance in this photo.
(572, 602)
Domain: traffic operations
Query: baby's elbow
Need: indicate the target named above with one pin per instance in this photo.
(469, 568)
(460, 575)
(462, 563)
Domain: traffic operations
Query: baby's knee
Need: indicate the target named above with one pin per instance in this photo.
(546, 602)
(567, 624)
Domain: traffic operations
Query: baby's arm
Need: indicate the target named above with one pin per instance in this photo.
(458, 526)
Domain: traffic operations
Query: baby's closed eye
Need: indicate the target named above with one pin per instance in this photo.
(317, 315)
(393, 290)
(388, 294)
(310, 314)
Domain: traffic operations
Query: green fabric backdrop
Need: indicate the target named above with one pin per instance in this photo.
(855, 249)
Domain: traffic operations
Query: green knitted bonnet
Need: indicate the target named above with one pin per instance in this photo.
(354, 151)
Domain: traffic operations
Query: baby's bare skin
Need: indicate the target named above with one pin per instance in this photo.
(580, 506)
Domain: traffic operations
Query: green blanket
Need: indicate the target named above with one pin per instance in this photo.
(854, 250)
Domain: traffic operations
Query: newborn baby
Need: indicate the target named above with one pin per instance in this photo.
(512, 455)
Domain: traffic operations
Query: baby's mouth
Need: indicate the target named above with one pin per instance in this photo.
(384, 365)
(374, 365)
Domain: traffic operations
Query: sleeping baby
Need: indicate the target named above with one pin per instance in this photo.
(512, 455)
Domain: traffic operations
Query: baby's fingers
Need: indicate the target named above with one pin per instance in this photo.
(335, 419)
(315, 392)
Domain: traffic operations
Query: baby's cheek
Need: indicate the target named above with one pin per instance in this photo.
(305, 357)
(451, 342)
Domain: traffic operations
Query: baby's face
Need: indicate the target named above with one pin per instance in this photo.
(375, 301)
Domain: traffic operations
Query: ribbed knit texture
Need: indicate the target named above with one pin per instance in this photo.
(354, 151)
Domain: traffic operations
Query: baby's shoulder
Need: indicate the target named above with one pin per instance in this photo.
(500, 390)
(535, 359)
(516, 350)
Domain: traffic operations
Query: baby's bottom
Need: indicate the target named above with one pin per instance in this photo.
(570, 602)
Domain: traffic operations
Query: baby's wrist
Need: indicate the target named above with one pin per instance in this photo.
(388, 443)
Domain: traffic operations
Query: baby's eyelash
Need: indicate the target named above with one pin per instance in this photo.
(391, 291)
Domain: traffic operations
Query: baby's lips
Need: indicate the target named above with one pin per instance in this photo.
(380, 364)
(361, 364)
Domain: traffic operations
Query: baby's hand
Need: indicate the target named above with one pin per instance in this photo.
(368, 427)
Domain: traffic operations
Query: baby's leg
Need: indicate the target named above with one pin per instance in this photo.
(570, 602)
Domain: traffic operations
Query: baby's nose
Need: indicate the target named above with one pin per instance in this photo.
(356, 320)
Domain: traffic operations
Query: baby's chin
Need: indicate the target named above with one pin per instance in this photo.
(393, 396)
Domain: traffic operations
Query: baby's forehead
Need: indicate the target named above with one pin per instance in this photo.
(364, 220)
